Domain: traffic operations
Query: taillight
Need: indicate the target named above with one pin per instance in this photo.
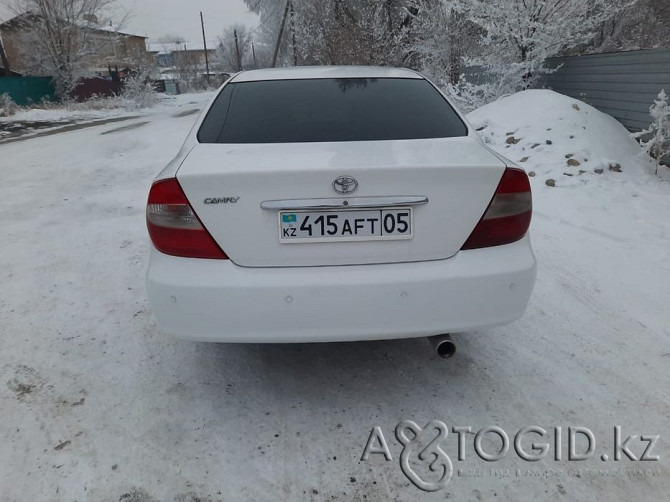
(174, 227)
(508, 216)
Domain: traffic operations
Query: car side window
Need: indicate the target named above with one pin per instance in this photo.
(211, 128)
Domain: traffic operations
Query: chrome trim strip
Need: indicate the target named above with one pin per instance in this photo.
(345, 202)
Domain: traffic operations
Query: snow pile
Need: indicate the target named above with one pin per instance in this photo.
(559, 140)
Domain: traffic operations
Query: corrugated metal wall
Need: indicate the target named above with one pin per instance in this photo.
(622, 84)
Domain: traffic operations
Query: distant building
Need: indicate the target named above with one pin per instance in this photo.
(175, 56)
(186, 63)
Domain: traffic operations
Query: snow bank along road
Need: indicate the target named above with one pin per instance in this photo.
(96, 405)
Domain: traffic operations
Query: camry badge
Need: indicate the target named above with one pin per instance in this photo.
(345, 184)
(221, 200)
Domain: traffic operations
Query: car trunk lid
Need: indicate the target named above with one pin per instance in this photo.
(227, 184)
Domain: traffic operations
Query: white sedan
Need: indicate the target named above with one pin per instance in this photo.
(320, 204)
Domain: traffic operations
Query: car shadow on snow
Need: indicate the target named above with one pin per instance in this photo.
(311, 371)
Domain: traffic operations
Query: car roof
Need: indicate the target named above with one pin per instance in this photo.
(314, 72)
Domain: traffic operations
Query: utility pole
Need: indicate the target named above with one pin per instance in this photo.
(112, 41)
(204, 43)
(237, 51)
(295, 55)
(281, 32)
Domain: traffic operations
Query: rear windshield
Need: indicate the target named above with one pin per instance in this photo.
(347, 109)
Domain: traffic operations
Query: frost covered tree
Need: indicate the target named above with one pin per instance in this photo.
(334, 31)
(438, 41)
(499, 47)
(641, 24)
(234, 47)
(434, 42)
(658, 144)
(58, 34)
(519, 35)
(188, 66)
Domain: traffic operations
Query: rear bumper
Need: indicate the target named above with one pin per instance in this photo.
(218, 301)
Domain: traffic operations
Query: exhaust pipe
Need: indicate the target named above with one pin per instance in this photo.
(444, 345)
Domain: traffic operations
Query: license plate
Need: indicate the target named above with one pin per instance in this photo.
(350, 225)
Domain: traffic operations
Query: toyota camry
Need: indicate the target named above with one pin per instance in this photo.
(319, 204)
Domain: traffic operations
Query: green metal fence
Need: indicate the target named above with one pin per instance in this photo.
(27, 90)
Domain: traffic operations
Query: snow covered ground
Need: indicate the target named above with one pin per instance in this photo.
(97, 405)
(32, 121)
(59, 114)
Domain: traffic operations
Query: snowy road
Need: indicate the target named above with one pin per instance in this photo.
(96, 405)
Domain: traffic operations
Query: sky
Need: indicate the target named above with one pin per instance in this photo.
(155, 18)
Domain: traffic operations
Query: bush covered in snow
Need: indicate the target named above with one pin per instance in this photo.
(658, 133)
(138, 92)
(7, 105)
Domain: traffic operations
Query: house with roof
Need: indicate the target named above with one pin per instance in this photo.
(105, 49)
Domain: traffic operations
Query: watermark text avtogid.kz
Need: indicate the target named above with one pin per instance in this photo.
(426, 455)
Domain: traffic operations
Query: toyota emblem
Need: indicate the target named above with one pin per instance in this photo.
(345, 184)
